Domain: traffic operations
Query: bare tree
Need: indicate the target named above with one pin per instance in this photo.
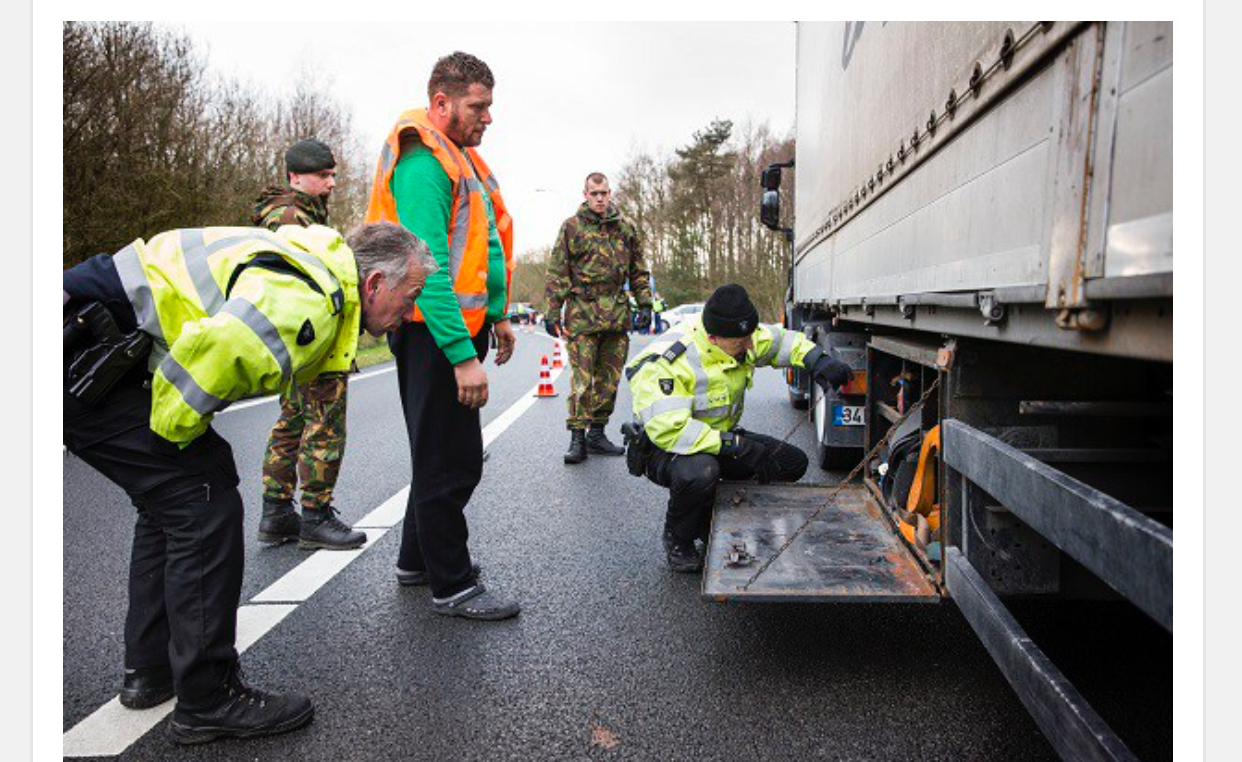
(152, 141)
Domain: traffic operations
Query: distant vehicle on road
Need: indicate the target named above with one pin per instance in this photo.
(520, 312)
(679, 314)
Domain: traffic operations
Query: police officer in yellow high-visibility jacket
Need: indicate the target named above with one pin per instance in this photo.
(232, 312)
(688, 394)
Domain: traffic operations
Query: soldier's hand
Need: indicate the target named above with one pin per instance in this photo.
(505, 341)
(644, 319)
(553, 328)
(471, 383)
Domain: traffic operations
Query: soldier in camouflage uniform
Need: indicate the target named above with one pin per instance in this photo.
(595, 253)
(308, 441)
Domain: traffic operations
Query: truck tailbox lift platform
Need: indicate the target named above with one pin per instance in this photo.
(850, 552)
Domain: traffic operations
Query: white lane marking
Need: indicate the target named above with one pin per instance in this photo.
(515, 411)
(112, 728)
(274, 397)
(301, 582)
(388, 513)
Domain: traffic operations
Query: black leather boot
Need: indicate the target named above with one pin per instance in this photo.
(598, 443)
(321, 529)
(577, 446)
(280, 523)
(241, 712)
(145, 688)
(683, 556)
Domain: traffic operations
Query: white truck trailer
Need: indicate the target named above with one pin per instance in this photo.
(982, 218)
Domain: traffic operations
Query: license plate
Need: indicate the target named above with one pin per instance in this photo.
(848, 415)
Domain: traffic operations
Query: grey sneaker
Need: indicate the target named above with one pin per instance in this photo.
(420, 577)
(476, 603)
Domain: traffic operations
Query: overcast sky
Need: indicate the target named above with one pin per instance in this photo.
(570, 98)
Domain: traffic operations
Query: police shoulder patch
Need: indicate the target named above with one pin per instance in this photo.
(666, 385)
(307, 333)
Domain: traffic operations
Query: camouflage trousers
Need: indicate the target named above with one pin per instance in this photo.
(596, 360)
(308, 442)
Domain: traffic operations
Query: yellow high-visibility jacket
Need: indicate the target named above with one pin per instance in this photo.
(226, 327)
(686, 399)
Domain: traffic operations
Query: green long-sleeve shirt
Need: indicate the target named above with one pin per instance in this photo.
(424, 197)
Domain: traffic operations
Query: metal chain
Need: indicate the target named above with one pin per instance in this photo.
(842, 484)
(1009, 46)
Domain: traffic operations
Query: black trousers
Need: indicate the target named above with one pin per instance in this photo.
(691, 481)
(446, 454)
(185, 568)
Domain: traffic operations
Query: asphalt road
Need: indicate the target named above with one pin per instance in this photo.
(613, 656)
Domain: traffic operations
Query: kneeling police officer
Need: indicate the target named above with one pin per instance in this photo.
(688, 395)
(159, 338)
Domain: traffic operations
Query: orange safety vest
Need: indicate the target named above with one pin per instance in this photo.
(467, 226)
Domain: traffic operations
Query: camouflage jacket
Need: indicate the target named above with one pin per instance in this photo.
(279, 205)
(587, 270)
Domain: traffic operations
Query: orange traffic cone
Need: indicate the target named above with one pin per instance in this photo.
(545, 379)
(556, 354)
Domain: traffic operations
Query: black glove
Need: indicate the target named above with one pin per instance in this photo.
(553, 328)
(831, 373)
(643, 321)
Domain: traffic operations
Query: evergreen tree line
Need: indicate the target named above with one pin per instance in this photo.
(697, 212)
(153, 141)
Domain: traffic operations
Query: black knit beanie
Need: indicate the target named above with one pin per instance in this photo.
(730, 313)
(308, 155)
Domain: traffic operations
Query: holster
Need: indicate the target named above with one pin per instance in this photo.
(638, 447)
(97, 354)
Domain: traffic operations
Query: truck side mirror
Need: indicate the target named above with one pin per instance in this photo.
(770, 207)
(771, 178)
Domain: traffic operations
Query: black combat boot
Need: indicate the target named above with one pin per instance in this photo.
(241, 712)
(577, 446)
(145, 688)
(682, 555)
(321, 529)
(280, 523)
(598, 443)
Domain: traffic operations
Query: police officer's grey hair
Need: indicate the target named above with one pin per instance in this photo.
(386, 248)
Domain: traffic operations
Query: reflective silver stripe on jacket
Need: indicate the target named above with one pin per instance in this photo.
(388, 160)
(778, 336)
(472, 301)
(195, 253)
(461, 226)
(713, 412)
(134, 281)
(256, 321)
(689, 435)
(664, 406)
(201, 401)
(461, 213)
(700, 376)
(788, 341)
